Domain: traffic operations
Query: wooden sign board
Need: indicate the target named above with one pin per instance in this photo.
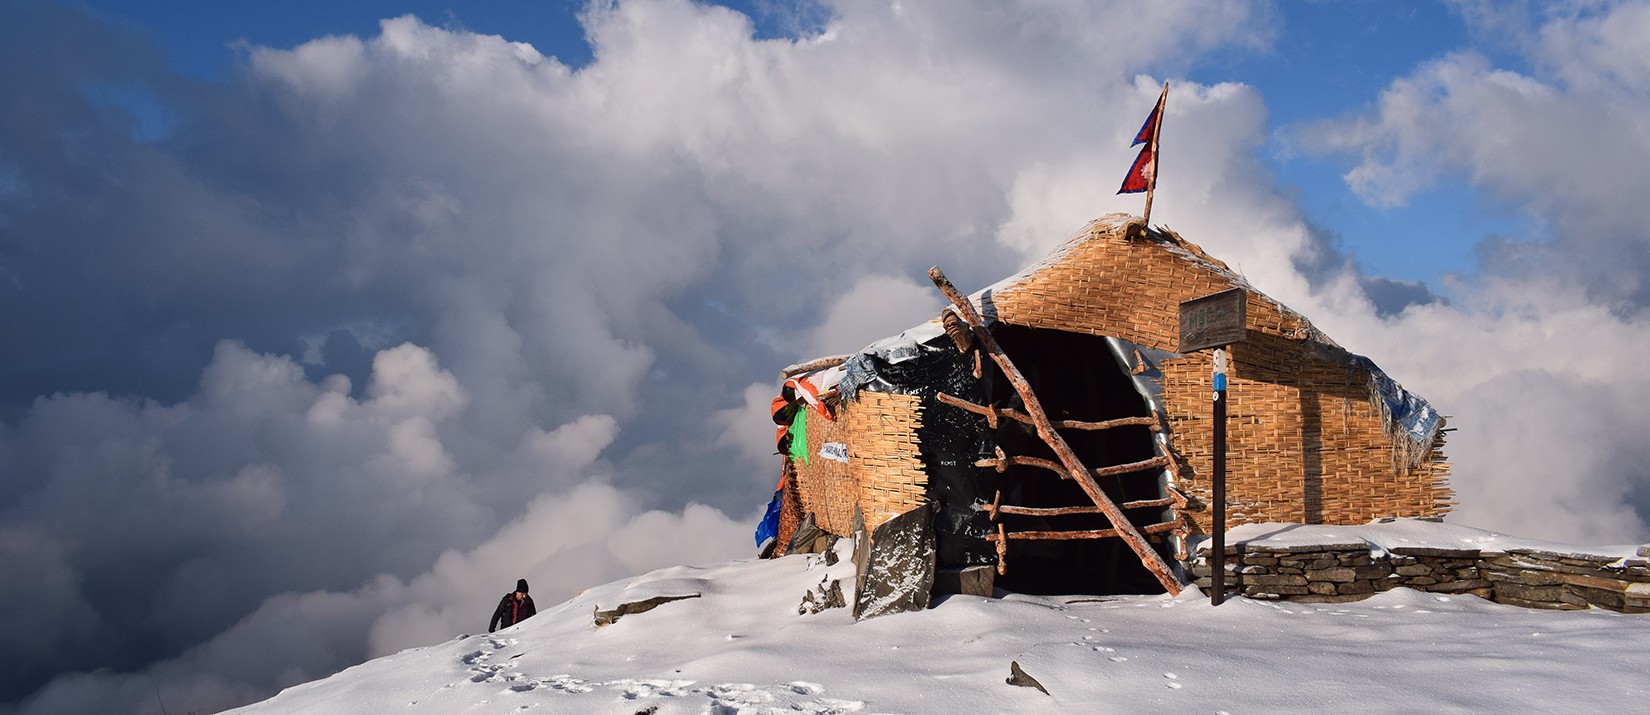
(1212, 321)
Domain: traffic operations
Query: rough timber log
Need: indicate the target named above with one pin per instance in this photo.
(991, 414)
(999, 462)
(812, 365)
(1000, 536)
(995, 509)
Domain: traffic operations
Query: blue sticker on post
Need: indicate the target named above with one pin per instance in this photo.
(1220, 369)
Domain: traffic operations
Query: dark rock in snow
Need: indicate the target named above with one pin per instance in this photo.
(895, 565)
(607, 618)
(1020, 678)
(828, 594)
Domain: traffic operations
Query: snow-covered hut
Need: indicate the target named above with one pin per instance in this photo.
(925, 424)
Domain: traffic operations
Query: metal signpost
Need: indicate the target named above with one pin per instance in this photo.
(1215, 321)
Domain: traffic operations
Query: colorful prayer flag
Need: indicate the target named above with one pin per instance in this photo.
(1142, 174)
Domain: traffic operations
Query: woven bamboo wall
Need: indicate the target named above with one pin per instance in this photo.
(1101, 284)
(883, 455)
(884, 474)
(824, 486)
(1308, 450)
(1304, 444)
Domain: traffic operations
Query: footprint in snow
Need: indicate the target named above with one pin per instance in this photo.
(740, 694)
(568, 684)
(637, 689)
(486, 673)
(832, 706)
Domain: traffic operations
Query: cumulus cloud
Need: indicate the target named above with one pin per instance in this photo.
(1537, 358)
(590, 534)
(872, 308)
(1568, 142)
(386, 322)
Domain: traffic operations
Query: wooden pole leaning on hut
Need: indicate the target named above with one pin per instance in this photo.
(812, 365)
(1073, 466)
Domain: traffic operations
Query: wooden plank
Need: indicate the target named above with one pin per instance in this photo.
(1212, 321)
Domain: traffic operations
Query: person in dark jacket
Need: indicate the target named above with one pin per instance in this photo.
(515, 607)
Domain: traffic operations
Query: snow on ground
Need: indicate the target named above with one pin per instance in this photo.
(741, 647)
(1394, 533)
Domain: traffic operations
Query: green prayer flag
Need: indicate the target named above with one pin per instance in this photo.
(799, 436)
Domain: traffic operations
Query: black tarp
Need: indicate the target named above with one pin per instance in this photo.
(1074, 376)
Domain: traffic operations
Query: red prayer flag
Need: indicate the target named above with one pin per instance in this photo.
(1142, 174)
(1148, 129)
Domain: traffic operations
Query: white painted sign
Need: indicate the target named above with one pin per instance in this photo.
(834, 450)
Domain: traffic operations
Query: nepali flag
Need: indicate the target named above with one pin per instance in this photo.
(1143, 174)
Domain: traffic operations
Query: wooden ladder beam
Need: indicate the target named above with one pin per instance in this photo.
(1001, 535)
(1039, 419)
(999, 463)
(995, 509)
(992, 413)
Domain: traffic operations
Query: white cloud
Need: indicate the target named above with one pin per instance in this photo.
(564, 541)
(874, 307)
(406, 379)
(748, 428)
(1568, 143)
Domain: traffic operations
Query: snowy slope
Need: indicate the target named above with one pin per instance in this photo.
(741, 647)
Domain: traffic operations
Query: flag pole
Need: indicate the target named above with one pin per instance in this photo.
(1157, 152)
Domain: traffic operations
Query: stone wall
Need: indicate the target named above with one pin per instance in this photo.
(1337, 573)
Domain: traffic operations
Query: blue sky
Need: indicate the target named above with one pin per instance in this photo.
(320, 323)
(1332, 59)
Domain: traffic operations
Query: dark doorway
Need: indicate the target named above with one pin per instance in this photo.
(1075, 377)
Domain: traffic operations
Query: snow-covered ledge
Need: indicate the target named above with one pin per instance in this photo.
(1332, 564)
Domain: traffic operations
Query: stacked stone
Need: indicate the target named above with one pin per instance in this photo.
(1567, 581)
(1338, 573)
(1439, 570)
(1316, 573)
